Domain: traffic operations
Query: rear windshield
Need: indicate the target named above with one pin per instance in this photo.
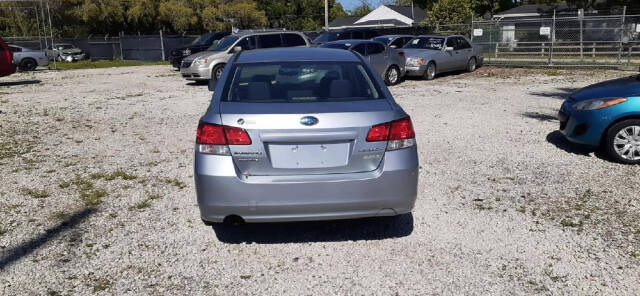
(435, 43)
(300, 82)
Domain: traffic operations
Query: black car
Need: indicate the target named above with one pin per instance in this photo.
(348, 34)
(200, 44)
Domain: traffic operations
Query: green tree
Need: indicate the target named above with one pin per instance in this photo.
(361, 10)
(450, 12)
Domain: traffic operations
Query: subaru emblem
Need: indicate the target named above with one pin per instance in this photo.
(308, 120)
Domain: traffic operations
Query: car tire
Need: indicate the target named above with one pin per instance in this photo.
(217, 71)
(392, 75)
(430, 71)
(622, 142)
(28, 64)
(472, 64)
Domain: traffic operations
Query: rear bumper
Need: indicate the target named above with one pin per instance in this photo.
(389, 190)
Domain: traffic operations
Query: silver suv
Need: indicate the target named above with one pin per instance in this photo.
(209, 64)
(303, 134)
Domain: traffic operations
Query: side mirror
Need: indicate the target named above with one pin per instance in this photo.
(237, 49)
(448, 48)
(393, 46)
(212, 84)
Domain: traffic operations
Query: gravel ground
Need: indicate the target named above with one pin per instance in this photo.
(97, 197)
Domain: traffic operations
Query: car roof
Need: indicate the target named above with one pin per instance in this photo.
(288, 54)
(353, 41)
(394, 36)
(262, 32)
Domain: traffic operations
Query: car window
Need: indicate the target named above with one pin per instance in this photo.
(270, 41)
(293, 40)
(463, 43)
(433, 43)
(399, 42)
(247, 43)
(299, 82)
(360, 48)
(14, 49)
(374, 48)
(451, 42)
(224, 43)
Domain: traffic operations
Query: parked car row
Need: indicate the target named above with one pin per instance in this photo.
(393, 56)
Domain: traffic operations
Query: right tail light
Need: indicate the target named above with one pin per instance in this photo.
(399, 134)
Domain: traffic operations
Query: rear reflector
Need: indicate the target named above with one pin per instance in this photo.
(399, 133)
(401, 53)
(215, 134)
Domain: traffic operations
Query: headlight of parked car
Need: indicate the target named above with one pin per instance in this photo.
(201, 61)
(595, 104)
(414, 61)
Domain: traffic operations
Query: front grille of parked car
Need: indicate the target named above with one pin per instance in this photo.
(186, 64)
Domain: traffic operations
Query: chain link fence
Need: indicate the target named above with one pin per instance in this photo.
(124, 47)
(568, 41)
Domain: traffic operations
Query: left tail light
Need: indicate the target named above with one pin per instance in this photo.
(401, 53)
(399, 134)
(215, 139)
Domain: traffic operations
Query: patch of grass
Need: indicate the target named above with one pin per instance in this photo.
(93, 197)
(146, 202)
(120, 173)
(634, 254)
(35, 193)
(570, 223)
(87, 64)
(175, 182)
(101, 285)
(3, 231)
(522, 209)
(245, 276)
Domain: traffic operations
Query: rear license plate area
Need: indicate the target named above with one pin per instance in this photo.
(308, 156)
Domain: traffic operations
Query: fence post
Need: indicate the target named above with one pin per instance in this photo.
(120, 41)
(161, 45)
(624, 12)
(581, 17)
(553, 38)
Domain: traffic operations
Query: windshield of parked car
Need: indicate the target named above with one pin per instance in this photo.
(224, 43)
(337, 45)
(300, 82)
(327, 37)
(201, 40)
(434, 43)
(384, 40)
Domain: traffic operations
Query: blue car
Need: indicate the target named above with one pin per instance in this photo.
(605, 115)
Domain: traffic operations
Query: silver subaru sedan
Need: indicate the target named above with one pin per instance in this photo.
(298, 134)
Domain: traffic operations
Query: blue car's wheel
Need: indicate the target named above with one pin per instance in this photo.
(623, 141)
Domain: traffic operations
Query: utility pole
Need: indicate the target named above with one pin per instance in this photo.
(326, 15)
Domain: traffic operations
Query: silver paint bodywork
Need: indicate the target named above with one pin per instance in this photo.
(341, 175)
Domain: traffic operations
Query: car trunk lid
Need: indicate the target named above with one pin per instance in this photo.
(307, 138)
